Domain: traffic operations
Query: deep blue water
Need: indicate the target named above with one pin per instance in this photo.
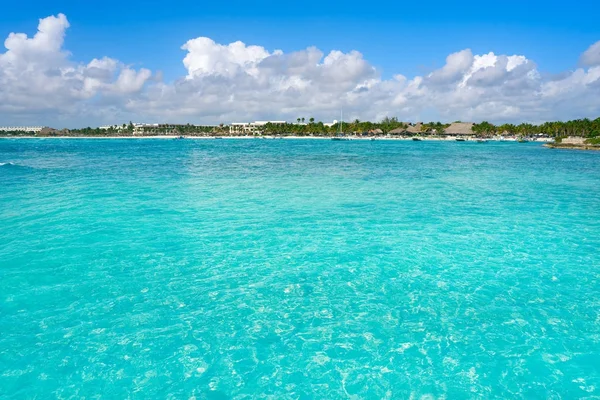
(298, 269)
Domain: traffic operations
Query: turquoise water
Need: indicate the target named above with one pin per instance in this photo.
(282, 269)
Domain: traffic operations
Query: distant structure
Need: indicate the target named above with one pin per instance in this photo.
(171, 129)
(48, 132)
(414, 129)
(251, 128)
(460, 129)
(141, 129)
(34, 129)
(397, 131)
(574, 140)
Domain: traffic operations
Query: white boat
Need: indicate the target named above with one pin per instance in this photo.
(340, 134)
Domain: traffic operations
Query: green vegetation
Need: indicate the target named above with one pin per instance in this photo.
(16, 133)
(388, 126)
(313, 128)
(579, 127)
(161, 129)
(434, 128)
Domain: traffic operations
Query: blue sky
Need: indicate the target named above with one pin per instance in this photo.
(116, 61)
(397, 37)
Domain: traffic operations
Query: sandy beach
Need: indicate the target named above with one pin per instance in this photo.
(172, 137)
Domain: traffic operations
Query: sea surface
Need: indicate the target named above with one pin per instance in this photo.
(298, 269)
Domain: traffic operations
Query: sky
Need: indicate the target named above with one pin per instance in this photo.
(75, 64)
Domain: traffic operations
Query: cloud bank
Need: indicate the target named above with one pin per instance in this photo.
(40, 84)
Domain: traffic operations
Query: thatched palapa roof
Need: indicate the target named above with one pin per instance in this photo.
(414, 128)
(460, 128)
(397, 131)
(47, 131)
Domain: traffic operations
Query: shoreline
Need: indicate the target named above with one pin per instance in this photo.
(349, 138)
(572, 146)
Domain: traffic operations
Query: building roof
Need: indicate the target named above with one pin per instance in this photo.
(460, 128)
(48, 131)
(415, 128)
(269, 122)
(397, 131)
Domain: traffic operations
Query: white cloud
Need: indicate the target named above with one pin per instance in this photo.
(39, 81)
(457, 64)
(205, 57)
(227, 82)
(591, 57)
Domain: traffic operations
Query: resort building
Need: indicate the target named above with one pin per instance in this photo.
(173, 129)
(460, 129)
(107, 127)
(34, 129)
(251, 128)
(141, 129)
(415, 129)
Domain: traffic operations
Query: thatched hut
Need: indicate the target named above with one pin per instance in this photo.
(415, 129)
(460, 129)
(48, 132)
(397, 131)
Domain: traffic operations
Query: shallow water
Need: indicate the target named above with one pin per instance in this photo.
(298, 269)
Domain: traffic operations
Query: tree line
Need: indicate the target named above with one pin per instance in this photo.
(578, 127)
(557, 129)
(17, 133)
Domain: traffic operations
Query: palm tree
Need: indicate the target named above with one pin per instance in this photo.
(311, 120)
(298, 119)
(302, 119)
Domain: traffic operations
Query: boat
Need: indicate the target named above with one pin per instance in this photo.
(460, 139)
(417, 139)
(340, 134)
(522, 140)
(481, 141)
(179, 138)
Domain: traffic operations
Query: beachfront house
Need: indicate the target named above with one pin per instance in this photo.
(415, 129)
(462, 129)
(397, 131)
(250, 128)
(34, 129)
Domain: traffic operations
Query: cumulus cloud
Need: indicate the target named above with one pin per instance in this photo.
(237, 81)
(205, 57)
(591, 57)
(38, 78)
(457, 65)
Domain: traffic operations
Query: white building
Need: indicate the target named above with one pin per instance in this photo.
(141, 128)
(250, 128)
(35, 129)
